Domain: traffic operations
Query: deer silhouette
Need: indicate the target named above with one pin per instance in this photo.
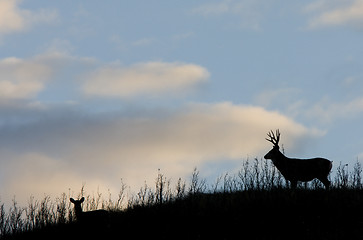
(90, 217)
(294, 169)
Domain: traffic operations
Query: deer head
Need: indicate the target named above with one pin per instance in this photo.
(92, 218)
(77, 206)
(274, 139)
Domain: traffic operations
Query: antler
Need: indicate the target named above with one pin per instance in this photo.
(274, 139)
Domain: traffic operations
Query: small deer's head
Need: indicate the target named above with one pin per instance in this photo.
(274, 139)
(77, 206)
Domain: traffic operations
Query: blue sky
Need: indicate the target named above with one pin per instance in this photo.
(92, 92)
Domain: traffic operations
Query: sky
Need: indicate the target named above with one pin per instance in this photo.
(92, 92)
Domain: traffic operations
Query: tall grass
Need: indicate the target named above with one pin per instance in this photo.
(254, 175)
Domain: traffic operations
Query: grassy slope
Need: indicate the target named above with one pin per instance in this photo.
(250, 214)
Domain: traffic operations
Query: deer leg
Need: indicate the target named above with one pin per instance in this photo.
(325, 181)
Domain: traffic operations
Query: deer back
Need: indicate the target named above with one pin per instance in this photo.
(303, 169)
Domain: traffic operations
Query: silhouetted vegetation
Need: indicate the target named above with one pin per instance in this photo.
(254, 203)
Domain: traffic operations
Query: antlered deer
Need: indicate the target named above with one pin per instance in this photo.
(90, 217)
(294, 169)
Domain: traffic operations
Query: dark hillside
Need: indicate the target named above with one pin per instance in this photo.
(265, 214)
(254, 204)
(272, 214)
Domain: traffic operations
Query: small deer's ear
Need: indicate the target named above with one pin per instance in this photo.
(72, 200)
(82, 199)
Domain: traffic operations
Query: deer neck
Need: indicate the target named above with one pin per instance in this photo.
(279, 159)
(78, 211)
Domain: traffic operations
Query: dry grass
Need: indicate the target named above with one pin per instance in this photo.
(256, 199)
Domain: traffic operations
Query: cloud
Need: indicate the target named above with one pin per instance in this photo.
(10, 17)
(25, 78)
(327, 111)
(64, 149)
(14, 19)
(150, 78)
(144, 42)
(22, 79)
(215, 8)
(335, 13)
(276, 96)
(38, 175)
(58, 73)
(249, 12)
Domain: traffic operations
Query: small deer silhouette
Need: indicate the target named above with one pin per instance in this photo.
(94, 217)
(294, 169)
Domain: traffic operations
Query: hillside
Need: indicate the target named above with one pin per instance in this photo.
(265, 214)
(255, 204)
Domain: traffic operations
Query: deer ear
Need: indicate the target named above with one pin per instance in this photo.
(72, 200)
(82, 199)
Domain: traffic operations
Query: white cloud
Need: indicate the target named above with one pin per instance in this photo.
(21, 79)
(334, 13)
(144, 79)
(14, 19)
(58, 153)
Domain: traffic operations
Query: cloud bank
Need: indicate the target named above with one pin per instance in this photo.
(53, 154)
